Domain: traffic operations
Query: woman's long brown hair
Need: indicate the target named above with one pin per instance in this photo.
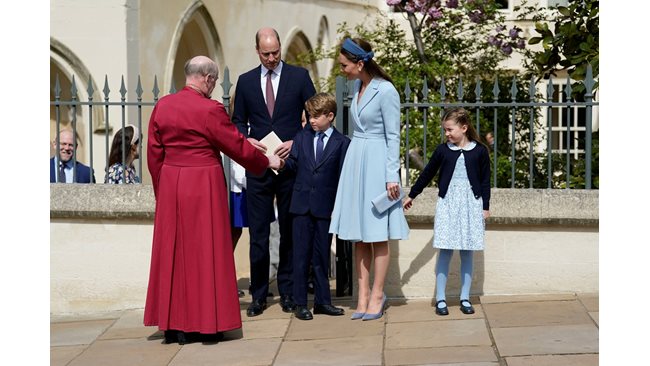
(115, 155)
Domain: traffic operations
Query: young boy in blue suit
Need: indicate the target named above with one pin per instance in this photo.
(316, 157)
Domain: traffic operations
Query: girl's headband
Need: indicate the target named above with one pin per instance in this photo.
(361, 54)
(136, 134)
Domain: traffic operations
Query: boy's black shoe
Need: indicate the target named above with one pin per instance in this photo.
(303, 313)
(287, 304)
(256, 308)
(328, 310)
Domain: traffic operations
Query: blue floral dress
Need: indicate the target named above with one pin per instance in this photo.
(459, 222)
(115, 175)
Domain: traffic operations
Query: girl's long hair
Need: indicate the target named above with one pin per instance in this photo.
(461, 117)
(371, 66)
(115, 155)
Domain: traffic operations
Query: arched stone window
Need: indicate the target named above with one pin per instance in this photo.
(195, 35)
(296, 45)
(65, 65)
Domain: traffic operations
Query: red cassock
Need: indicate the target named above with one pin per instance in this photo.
(192, 282)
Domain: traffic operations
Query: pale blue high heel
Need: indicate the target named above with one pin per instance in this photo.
(356, 316)
(377, 315)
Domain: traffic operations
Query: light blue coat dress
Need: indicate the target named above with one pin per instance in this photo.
(371, 161)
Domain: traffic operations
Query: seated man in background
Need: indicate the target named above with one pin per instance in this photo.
(64, 162)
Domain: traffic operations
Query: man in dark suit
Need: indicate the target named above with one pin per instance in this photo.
(68, 170)
(270, 97)
(317, 157)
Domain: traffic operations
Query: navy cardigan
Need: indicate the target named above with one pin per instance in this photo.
(477, 162)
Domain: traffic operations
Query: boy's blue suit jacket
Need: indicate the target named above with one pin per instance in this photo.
(314, 190)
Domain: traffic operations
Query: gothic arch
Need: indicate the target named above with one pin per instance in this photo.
(65, 65)
(325, 43)
(295, 44)
(194, 35)
(323, 39)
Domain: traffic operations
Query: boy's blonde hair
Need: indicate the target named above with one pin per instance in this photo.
(321, 104)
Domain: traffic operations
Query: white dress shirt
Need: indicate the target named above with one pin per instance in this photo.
(328, 133)
(275, 79)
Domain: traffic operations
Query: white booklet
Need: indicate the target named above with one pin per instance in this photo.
(271, 141)
(383, 203)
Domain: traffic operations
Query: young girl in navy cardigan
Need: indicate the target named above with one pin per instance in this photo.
(463, 201)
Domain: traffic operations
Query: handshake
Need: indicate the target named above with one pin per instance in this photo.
(280, 150)
(275, 162)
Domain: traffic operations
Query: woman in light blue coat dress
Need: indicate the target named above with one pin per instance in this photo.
(371, 167)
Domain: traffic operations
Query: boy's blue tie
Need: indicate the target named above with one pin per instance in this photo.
(319, 146)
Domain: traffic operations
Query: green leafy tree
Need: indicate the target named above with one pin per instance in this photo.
(569, 36)
(457, 48)
(569, 40)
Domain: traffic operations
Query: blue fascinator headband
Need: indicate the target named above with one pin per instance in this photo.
(357, 51)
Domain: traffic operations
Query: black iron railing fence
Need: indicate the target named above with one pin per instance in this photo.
(536, 141)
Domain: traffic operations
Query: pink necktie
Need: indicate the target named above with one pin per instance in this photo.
(270, 98)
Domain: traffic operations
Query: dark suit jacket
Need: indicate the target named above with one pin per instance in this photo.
(83, 173)
(314, 190)
(250, 107)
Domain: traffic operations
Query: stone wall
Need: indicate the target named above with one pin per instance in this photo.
(537, 241)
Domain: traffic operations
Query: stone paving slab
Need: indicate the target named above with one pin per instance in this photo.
(108, 315)
(243, 352)
(326, 327)
(466, 364)
(527, 331)
(554, 360)
(270, 328)
(527, 314)
(496, 299)
(470, 332)
(415, 311)
(126, 352)
(590, 301)
(75, 333)
(60, 356)
(130, 325)
(273, 311)
(461, 364)
(549, 340)
(441, 355)
(358, 350)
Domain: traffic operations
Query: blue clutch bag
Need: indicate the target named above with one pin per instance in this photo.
(383, 203)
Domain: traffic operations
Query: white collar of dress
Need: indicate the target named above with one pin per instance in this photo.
(469, 146)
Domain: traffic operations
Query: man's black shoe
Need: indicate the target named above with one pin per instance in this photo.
(170, 336)
(256, 308)
(287, 303)
(303, 313)
(328, 310)
(211, 337)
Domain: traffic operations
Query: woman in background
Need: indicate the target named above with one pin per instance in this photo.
(120, 165)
